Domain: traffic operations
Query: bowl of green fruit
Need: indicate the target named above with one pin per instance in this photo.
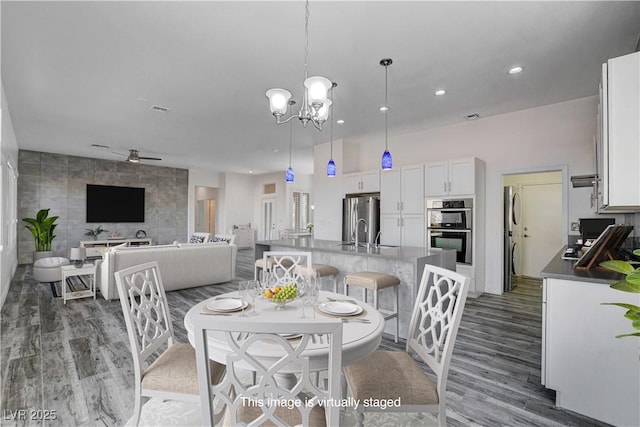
(281, 295)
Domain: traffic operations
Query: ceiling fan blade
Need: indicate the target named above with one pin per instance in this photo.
(149, 158)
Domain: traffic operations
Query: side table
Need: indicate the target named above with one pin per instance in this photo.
(88, 270)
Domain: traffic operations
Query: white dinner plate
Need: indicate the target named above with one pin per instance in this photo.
(340, 308)
(226, 304)
(291, 336)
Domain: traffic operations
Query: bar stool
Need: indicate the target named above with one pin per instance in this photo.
(376, 281)
(322, 270)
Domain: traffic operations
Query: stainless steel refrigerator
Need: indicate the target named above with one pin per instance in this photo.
(356, 207)
(511, 206)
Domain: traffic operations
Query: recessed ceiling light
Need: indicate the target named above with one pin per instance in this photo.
(516, 70)
(275, 150)
(384, 108)
(440, 92)
(250, 171)
(340, 122)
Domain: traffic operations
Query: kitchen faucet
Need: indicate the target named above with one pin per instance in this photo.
(358, 227)
(377, 240)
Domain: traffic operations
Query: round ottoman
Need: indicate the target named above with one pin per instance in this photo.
(48, 269)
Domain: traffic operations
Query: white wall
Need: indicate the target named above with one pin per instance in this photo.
(238, 196)
(8, 242)
(327, 216)
(548, 137)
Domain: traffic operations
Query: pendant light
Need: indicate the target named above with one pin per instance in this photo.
(386, 162)
(331, 166)
(289, 174)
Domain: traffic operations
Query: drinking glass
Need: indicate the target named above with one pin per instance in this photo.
(314, 295)
(303, 289)
(253, 291)
(243, 292)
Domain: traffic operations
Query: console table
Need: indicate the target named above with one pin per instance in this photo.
(95, 247)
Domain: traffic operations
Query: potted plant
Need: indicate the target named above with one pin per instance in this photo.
(95, 232)
(631, 283)
(41, 227)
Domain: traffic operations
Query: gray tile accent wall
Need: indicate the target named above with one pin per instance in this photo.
(59, 181)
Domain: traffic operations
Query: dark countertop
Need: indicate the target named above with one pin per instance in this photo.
(560, 268)
(406, 253)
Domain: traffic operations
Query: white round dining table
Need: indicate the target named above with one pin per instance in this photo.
(359, 339)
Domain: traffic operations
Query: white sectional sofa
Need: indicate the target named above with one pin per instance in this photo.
(182, 265)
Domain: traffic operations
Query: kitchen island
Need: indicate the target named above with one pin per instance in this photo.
(406, 263)
(592, 372)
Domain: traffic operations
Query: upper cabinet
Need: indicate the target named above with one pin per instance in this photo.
(618, 146)
(402, 191)
(450, 178)
(361, 182)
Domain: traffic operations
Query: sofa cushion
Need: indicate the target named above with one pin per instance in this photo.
(219, 240)
(196, 239)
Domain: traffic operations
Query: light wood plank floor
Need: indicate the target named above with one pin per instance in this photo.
(74, 359)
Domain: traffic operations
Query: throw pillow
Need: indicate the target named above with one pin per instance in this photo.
(219, 239)
(196, 239)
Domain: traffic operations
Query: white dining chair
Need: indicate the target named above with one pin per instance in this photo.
(268, 401)
(173, 374)
(288, 267)
(432, 334)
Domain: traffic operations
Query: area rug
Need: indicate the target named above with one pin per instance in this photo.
(74, 284)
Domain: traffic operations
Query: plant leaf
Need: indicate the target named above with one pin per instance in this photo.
(635, 334)
(625, 286)
(629, 307)
(634, 277)
(619, 266)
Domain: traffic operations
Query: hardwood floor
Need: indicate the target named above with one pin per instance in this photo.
(74, 359)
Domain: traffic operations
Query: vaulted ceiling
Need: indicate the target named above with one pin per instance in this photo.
(83, 73)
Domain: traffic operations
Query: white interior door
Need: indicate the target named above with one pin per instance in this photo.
(541, 226)
(268, 219)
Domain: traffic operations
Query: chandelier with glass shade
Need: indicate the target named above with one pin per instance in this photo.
(315, 101)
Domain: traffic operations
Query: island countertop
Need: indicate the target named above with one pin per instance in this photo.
(406, 253)
(559, 268)
(405, 263)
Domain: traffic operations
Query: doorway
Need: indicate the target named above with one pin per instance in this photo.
(268, 218)
(206, 209)
(538, 231)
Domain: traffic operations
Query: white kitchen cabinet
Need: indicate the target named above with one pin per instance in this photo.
(361, 182)
(618, 149)
(390, 230)
(413, 230)
(402, 191)
(402, 206)
(592, 372)
(390, 192)
(450, 178)
(402, 230)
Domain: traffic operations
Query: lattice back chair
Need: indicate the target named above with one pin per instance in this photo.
(432, 333)
(173, 374)
(270, 400)
(285, 267)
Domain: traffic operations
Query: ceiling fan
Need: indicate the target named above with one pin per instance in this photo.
(133, 156)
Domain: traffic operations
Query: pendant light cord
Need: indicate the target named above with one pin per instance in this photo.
(306, 37)
(386, 104)
(331, 118)
(290, 142)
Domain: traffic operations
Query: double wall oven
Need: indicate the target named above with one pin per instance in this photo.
(450, 226)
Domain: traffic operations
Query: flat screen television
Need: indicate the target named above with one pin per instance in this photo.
(108, 203)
